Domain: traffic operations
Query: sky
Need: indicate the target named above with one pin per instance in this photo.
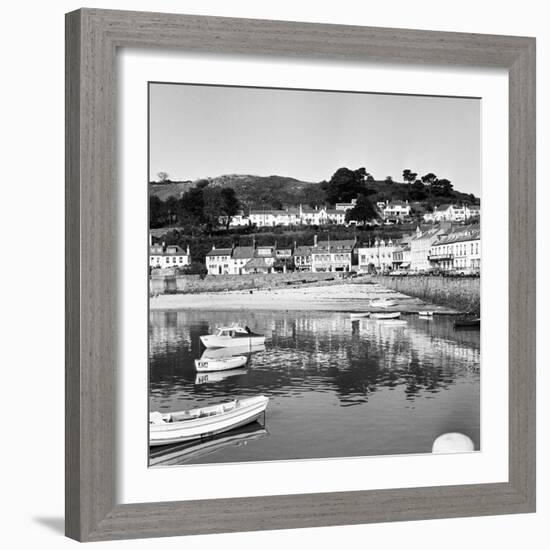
(199, 131)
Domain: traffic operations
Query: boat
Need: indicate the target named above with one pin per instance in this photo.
(383, 302)
(221, 353)
(177, 427)
(359, 315)
(218, 376)
(224, 363)
(426, 313)
(467, 323)
(226, 337)
(389, 315)
(171, 455)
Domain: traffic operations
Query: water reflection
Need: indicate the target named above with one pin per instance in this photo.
(395, 384)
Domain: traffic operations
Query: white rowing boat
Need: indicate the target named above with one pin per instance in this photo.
(426, 313)
(383, 302)
(176, 427)
(236, 336)
(223, 363)
(218, 376)
(389, 315)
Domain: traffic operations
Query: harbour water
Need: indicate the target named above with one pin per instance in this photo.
(338, 387)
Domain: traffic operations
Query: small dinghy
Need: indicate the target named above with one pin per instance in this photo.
(467, 323)
(382, 302)
(176, 427)
(218, 376)
(389, 315)
(223, 363)
(359, 315)
(426, 313)
(236, 336)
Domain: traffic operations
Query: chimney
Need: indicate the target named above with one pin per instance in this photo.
(213, 247)
(163, 246)
(188, 250)
(315, 240)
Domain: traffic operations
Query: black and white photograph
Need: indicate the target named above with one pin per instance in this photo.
(314, 264)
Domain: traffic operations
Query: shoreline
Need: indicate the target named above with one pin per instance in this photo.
(345, 298)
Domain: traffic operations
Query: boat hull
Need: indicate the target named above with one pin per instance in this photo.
(249, 410)
(394, 315)
(214, 365)
(213, 341)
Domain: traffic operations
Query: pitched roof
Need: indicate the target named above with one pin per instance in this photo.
(220, 252)
(243, 252)
(302, 251)
(458, 236)
(256, 263)
(171, 250)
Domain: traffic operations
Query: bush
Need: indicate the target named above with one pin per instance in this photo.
(195, 268)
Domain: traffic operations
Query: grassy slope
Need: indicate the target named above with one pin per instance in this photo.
(277, 191)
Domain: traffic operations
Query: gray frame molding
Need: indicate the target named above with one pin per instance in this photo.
(92, 38)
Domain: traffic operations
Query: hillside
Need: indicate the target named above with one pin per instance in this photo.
(280, 192)
(252, 191)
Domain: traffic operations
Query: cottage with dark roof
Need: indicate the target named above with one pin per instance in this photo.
(218, 261)
(172, 255)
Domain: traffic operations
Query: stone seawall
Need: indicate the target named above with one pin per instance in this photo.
(171, 283)
(457, 293)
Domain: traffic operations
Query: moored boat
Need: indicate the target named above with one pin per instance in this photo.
(426, 313)
(218, 376)
(467, 323)
(389, 315)
(223, 363)
(176, 427)
(359, 315)
(383, 302)
(222, 353)
(236, 336)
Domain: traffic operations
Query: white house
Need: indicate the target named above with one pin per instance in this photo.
(451, 213)
(421, 244)
(218, 261)
(162, 255)
(345, 206)
(379, 256)
(332, 255)
(395, 210)
(457, 250)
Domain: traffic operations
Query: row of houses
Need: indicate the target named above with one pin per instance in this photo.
(442, 246)
(390, 211)
(452, 213)
(320, 256)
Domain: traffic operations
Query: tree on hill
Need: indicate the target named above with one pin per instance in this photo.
(418, 191)
(163, 177)
(409, 177)
(344, 185)
(388, 180)
(363, 211)
(442, 187)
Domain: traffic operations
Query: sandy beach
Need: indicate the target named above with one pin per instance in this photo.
(339, 297)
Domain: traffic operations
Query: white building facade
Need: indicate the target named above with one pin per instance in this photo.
(163, 256)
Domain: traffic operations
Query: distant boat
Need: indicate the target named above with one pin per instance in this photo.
(218, 376)
(383, 302)
(359, 315)
(183, 452)
(224, 363)
(226, 337)
(426, 313)
(389, 315)
(177, 427)
(467, 323)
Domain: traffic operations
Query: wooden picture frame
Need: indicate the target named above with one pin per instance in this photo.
(92, 39)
